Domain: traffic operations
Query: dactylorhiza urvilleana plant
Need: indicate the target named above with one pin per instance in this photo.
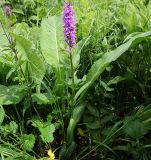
(70, 36)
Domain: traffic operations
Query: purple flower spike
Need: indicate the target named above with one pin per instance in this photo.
(7, 11)
(69, 25)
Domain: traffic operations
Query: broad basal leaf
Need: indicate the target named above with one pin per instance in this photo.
(11, 94)
(44, 98)
(134, 127)
(35, 63)
(28, 141)
(51, 39)
(46, 129)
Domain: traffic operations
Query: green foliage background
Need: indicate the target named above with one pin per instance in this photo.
(106, 113)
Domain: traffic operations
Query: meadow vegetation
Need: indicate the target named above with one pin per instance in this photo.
(89, 100)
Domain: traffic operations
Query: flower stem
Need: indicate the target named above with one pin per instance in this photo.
(13, 50)
(72, 77)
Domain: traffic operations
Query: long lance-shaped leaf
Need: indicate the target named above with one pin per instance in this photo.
(99, 66)
(51, 37)
(70, 146)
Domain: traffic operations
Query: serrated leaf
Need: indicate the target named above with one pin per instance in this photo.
(47, 133)
(11, 128)
(27, 141)
(46, 129)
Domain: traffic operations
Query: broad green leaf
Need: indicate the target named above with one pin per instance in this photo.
(35, 62)
(21, 29)
(46, 129)
(12, 128)
(9, 129)
(18, 11)
(47, 133)
(11, 94)
(40, 98)
(94, 124)
(3, 39)
(29, 3)
(36, 67)
(27, 141)
(99, 66)
(59, 88)
(2, 17)
(51, 39)
(43, 98)
(93, 111)
(2, 114)
(134, 127)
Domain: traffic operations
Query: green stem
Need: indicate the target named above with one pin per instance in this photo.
(72, 76)
(10, 145)
(32, 104)
(13, 50)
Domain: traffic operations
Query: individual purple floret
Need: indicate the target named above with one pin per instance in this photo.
(7, 11)
(69, 25)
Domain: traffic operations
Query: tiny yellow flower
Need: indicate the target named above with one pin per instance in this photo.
(51, 155)
(81, 132)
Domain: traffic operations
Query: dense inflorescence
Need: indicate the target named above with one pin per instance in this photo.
(69, 25)
(7, 11)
